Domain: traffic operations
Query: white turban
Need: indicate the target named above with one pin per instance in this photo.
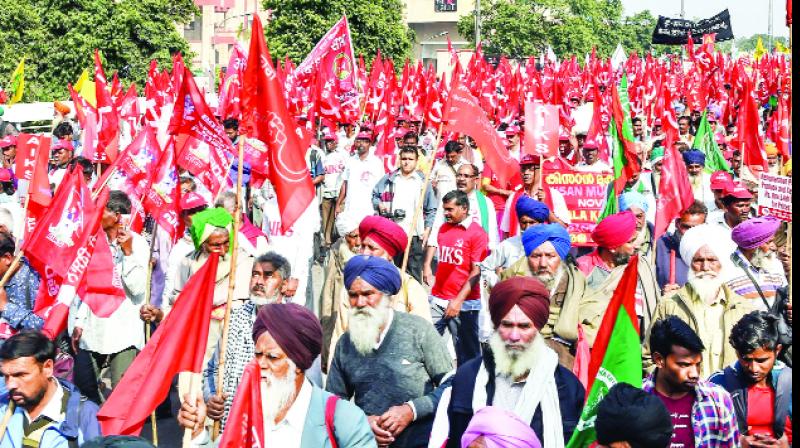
(346, 223)
(707, 235)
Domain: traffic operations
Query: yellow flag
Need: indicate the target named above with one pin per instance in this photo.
(781, 49)
(760, 50)
(17, 84)
(85, 88)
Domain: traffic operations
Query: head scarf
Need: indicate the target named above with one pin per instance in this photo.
(345, 223)
(376, 271)
(385, 232)
(657, 154)
(628, 414)
(528, 293)
(755, 232)
(537, 235)
(512, 433)
(632, 199)
(527, 206)
(694, 156)
(205, 222)
(705, 235)
(295, 328)
(615, 230)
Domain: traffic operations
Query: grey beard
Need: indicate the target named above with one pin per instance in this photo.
(761, 259)
(512, 363)
(364, 326)
(263, 300)
(548, 279)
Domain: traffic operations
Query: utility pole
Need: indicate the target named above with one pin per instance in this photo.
(769, 27)
(683, 10)
(477, 22)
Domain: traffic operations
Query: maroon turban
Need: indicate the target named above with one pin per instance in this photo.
(295, 328)
(615, 230)
(528, 293)
(385, 232)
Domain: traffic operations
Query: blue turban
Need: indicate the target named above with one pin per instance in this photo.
(536, 235)
(376, 271)
(694, 156)
(632, 199)
(527, 206)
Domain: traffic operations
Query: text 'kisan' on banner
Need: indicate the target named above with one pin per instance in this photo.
(584, 195)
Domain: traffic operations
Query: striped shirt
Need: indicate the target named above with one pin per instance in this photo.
(713, 415)
(769, 280)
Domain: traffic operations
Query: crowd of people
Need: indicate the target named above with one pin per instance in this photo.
(430, 305)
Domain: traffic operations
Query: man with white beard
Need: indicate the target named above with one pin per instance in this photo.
(757, 274)
(695, 161)
(390, 361)
(547, 259)
(705, 303)
(268, 283)
(288, 338)
(520, 373)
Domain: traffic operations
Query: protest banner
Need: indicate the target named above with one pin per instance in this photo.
(775, 197)
(584, 195)
(671, 31)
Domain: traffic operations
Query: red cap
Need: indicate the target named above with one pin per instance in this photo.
(512, 130)
(720, 180)
(728, 155)
(364, 135)
(9, 140)
(328, 135)
(530, 159)
(404, 117)
(62, 144)
(5, 175)
(192, 200)
(738, 191)
(563, 137)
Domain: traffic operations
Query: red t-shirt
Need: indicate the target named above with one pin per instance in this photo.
(499, 200)
(459, 249)
(760, 410)
(680, 411)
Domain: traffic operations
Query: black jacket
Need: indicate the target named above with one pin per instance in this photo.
(571, 396)
(734, 381)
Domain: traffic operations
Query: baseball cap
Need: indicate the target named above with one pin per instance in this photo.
(738, 191)
(192, 200)
(364, 135)
(5, 175)
(512, 130)
(530, 159)
(8, 140)
(720, 180)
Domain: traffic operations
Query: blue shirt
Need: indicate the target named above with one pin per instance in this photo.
(21, 291)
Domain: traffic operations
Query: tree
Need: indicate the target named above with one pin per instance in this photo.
(296, 26)
(522, 28)
(58, 37)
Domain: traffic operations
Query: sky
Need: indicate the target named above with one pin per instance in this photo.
(748, 17)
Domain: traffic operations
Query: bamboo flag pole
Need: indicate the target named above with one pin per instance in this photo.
(237, 220)
(148, 298)
(6, 418)
(421, 200)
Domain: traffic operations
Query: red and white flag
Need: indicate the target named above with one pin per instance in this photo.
(541, 130)
(245, 425)
(674, 191)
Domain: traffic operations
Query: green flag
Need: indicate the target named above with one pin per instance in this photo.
(616, 355)
(704, 141)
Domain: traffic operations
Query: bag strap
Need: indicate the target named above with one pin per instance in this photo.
(737, 260)
(330, 411)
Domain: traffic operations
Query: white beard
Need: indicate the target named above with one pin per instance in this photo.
(549, 280)
(277, 394)
(365, 325)
(512, 363)
(706, 284)
(262, 300)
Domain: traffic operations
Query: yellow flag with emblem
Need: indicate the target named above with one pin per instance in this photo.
(17, 84)
(760, 50)
(85, 88)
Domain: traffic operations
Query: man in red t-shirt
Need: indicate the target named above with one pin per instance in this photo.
(455, 295)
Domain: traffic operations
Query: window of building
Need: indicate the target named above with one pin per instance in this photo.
(445, 5)
(193, 31)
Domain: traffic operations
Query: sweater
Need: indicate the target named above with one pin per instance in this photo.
(407, 366)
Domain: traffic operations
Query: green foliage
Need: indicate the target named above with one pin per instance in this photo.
(748, 44)
(521, 28)
(58, 37)
(297, 25)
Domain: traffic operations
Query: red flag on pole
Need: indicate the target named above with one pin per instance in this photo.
(163, 197)
(541, 129)
(674, 191)
(245, 426)
(267, 119)
(178, 345)
(464, 115)
(108, 117)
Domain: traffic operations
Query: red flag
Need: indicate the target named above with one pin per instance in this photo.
(178, 345)
(782, 136)
(230, 90)
(751, 140)
(464, 115)
(108, 117)
(267, 119)
(163, 196)
(201, 144)
(674, 191)
(29, 146)
(101, 289)
(541, 129)
(245, 426)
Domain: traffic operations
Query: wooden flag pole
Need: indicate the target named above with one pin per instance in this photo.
(148, 298)
(421, 200)
(237, 221)
(6, 418)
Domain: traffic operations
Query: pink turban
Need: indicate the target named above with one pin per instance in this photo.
(500, 429)
(528, 293)
(295, 328)
(615, 230)
(755, 232)
(385, 232)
